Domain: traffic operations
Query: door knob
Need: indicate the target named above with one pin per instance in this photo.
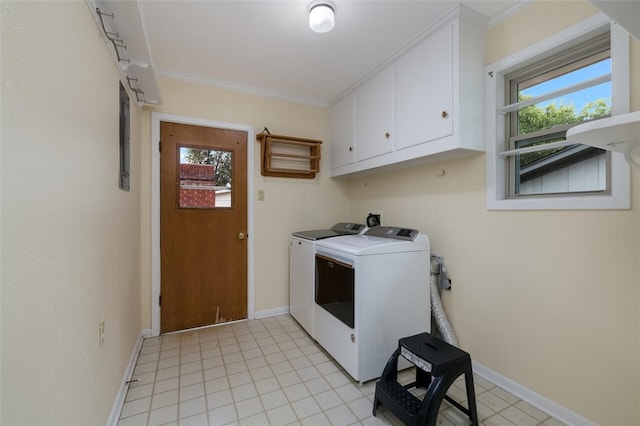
(242, 236)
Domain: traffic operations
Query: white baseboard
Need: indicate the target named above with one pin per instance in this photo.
(546, 405)
(122, 392)
(271, 312)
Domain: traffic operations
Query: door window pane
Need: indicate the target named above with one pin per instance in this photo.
(205, 178)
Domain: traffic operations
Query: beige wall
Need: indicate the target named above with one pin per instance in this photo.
(70, 237)
(549, 299)
(290, 204)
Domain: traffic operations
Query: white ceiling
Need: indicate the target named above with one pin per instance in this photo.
(267, 46)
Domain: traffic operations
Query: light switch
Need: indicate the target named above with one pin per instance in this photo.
(260, 194)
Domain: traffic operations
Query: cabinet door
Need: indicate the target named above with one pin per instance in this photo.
(342, 131)
(374, 115)
(302, 282)
(424, 90)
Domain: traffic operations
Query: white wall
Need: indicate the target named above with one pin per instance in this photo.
(549, 299)
(290, 204)
(70, 237)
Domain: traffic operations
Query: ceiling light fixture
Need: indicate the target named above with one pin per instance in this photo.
(322, 15)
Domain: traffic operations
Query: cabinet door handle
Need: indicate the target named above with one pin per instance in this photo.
(444, 114)
(387, 135)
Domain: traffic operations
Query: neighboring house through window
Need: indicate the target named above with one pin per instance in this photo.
(578, 75)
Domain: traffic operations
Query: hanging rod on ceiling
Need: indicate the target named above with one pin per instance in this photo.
(120, 48)
(114, 38)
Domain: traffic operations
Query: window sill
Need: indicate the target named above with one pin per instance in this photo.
(619, 199)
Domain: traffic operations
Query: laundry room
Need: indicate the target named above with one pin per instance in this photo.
(545, 297)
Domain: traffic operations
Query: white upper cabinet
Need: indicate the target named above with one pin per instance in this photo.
(342, 131)
(374, 116)
(424, 90)
(426, 104)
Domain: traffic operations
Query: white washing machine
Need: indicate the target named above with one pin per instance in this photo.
(302, 269)
(371, 290)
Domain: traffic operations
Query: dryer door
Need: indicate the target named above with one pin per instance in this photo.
(335, 282)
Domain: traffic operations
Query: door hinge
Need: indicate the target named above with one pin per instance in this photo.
(160, 300)
(159, 146)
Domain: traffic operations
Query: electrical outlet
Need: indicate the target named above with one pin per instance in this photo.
(101, 332)
(260, 194)
(376, 219)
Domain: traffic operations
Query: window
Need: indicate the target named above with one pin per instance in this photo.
(205, 178)
(544, 101)
(537, 95)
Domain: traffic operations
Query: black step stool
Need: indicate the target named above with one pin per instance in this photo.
(438, 365)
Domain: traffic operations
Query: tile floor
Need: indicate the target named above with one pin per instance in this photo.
(270, 372)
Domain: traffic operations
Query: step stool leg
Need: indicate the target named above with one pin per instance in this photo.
(389, 374)
(376, 402)
(471, 396)
(433, 399)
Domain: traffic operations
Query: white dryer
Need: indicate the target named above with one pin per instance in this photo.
(371, 290)
(302, 270)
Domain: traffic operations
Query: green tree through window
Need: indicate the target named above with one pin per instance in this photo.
(221, 160)
(534, 118)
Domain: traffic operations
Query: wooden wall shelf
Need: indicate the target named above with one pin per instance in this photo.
(290, 157)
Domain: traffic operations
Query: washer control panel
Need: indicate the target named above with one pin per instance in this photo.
(393, 232)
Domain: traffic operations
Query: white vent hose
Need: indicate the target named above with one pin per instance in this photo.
(437, 311)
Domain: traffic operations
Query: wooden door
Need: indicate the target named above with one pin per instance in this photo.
(203, 226)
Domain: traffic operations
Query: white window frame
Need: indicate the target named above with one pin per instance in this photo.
(620, 195)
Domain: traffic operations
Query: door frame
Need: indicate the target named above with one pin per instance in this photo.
(156, 118)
